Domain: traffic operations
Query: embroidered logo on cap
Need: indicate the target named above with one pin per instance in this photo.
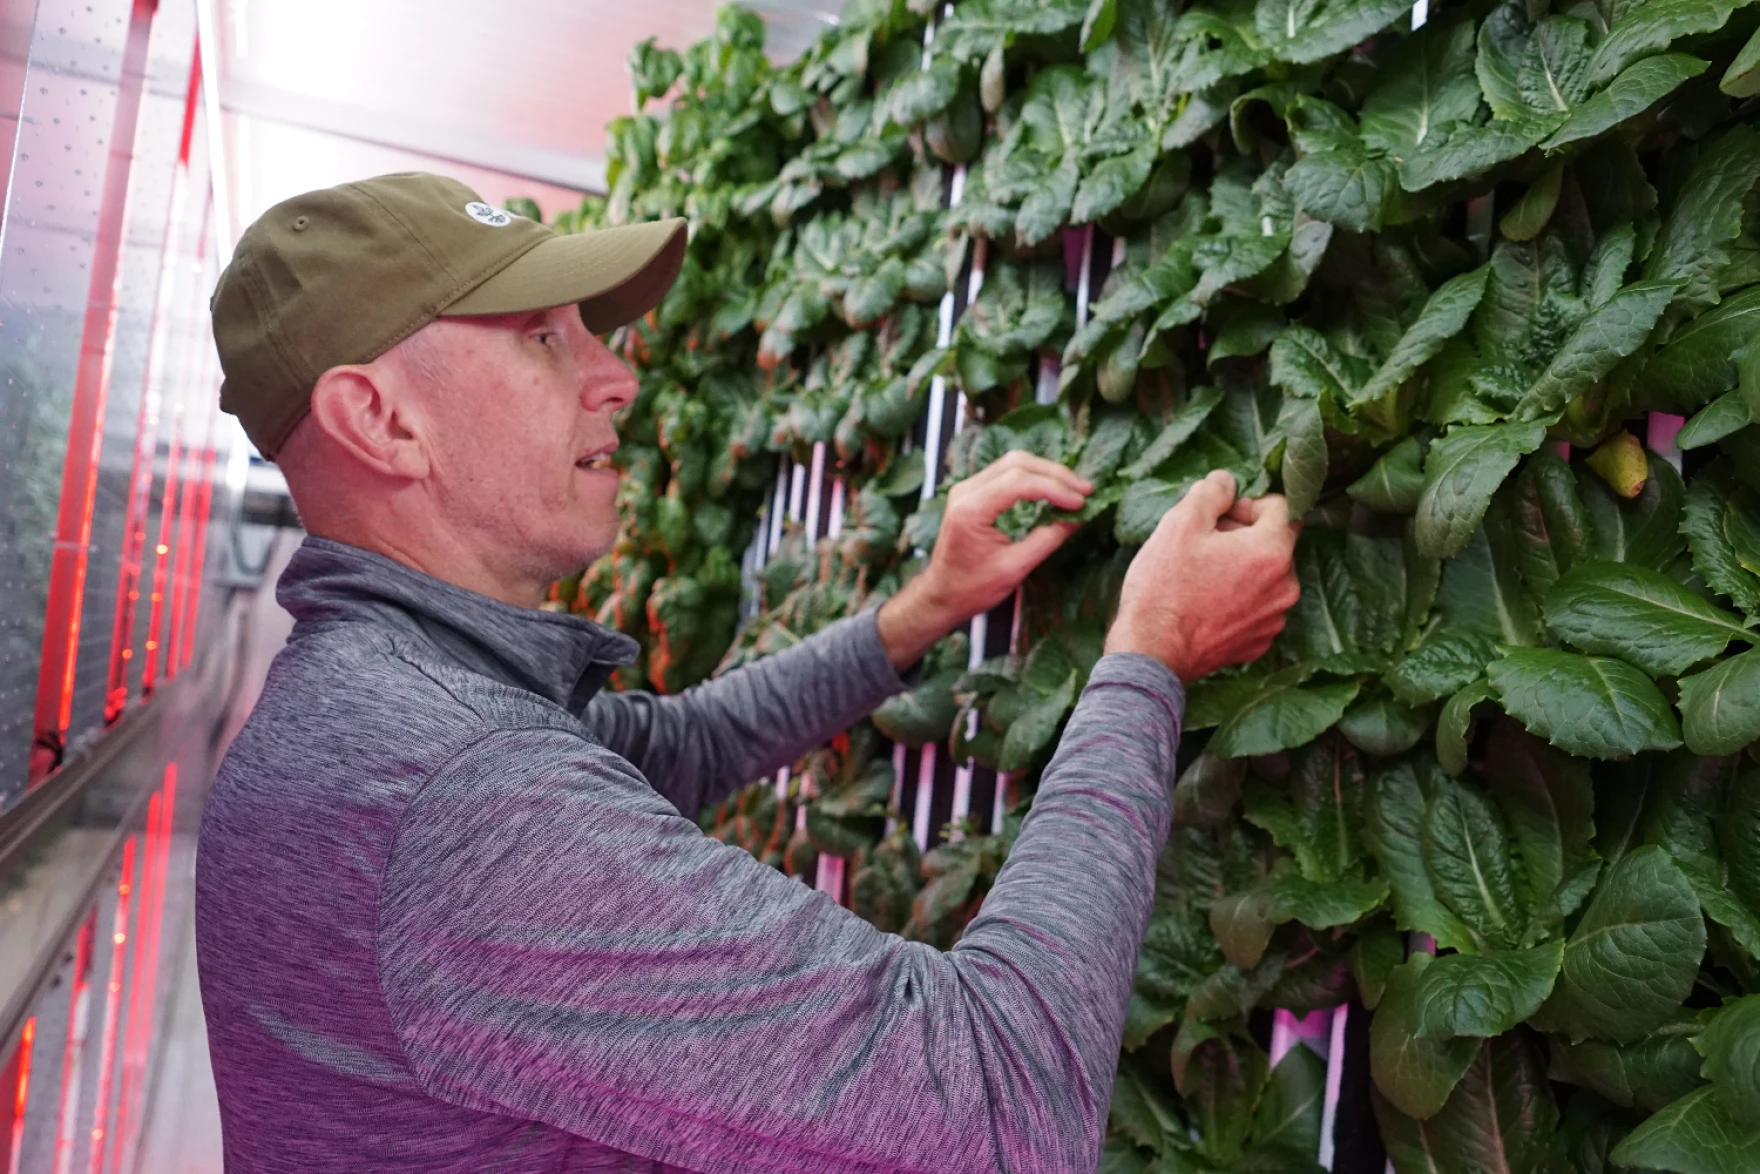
(484, 214)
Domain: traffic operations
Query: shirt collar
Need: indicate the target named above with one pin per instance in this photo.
(563, 658)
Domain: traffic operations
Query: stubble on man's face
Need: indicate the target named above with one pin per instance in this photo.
(522, 433)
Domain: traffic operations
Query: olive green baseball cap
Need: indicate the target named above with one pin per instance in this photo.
(342, 275)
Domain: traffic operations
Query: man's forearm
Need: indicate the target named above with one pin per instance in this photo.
(913, 620)
(1070, 908)
(697, 746)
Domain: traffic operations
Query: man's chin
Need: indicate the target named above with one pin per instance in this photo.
(595, 546)
(590, 538)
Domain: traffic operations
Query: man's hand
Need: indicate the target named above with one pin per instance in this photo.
(1211, 585)
(974, 566)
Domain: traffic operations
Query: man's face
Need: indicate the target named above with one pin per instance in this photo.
(521, 436)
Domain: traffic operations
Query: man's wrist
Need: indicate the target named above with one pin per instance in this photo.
(914, 619)
(1169, 647)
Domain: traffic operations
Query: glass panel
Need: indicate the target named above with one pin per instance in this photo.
(153, 176)
(188, 342)
(16, 19)
(46, 256)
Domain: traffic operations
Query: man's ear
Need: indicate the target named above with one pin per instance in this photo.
(367, 410)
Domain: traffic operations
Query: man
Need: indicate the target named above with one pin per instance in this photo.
(452, 910)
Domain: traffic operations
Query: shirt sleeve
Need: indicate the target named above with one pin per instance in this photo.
(700, 744)
(557, 943)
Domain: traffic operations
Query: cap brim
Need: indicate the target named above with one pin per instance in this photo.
(616, 274)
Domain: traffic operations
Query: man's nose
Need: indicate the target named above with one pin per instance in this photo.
(607, 384)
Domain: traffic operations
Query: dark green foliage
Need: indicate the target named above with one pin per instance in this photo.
(1428, 284)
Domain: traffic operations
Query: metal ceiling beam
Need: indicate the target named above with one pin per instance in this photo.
(382, 130)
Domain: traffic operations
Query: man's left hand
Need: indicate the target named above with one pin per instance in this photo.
(975, 566)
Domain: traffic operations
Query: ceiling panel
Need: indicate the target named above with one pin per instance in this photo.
(274, 161)
(316, 89)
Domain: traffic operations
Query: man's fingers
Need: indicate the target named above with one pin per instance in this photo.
(1289, 591)
(1204, 503)
(1021, 459)
(1251, 509)
(990, 496)
(1270, 512)
(1268, 522)
(1036, 546)
(1270, 626)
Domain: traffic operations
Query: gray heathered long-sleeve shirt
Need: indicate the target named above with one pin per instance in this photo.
(453, 913)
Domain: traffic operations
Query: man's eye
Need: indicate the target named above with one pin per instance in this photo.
(544, 337)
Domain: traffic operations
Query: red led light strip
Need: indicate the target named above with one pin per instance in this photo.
(146, 968)
(179, 585)
(204, 505)
(79, 1018)
(21, 1095)
(134, 529)
(112, 1006)
(166, 826)
(137, 1012)
(203, 509)
(168, 500)
(85, 432)
(190, 104)
(183, 547)
(162, 551)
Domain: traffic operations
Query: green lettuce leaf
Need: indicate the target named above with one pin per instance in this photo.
(1720, 707)
(1704, 510)
(1645, 530)
(1393, 831)
(1484, 994)
(1383, 726)
(1282, 716)
(1318, 816)
(1655, 25)
(1394, 482)
(1461, 472)
(1633, 956)
(1454, 725)
(1301, 31)
(1731, 1046)
(1693, 1136)
(1593, 706)
(1444, 315)
(1549, 802)
(1286, 1127)
(1634, 91)
(1646, 1074)
(1693, 245)
(1639, 615)
(1427, 84)
(1469, 858)
(1414, 1074)
(1698, 361)
(1609, 333)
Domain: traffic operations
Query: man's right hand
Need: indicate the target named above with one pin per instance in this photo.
(1212, 584)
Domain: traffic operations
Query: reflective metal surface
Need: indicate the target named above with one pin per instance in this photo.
(87, 922)
(103, 352)
(46, 255)
(155, 177)
(111, 452)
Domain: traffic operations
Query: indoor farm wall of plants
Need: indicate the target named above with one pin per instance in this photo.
(1477, 287)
